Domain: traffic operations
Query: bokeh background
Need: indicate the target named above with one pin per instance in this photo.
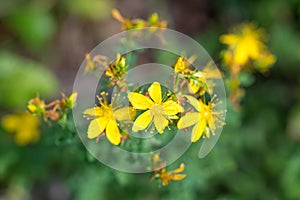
(43, 44)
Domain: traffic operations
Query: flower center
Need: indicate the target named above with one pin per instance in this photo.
(107, 113)
(157, 109)
(206, 113)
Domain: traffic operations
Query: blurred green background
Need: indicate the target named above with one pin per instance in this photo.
(257, 156)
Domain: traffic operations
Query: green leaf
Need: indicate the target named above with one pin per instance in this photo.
(20, 80)
(33, 26)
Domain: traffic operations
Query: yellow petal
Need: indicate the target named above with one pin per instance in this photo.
(165, 182)
(117, 15)
(188, 120)
(125, 114)
(155, 92)
(240, 57)
(96, 127)
(229, 39)
(26, 137)
(211, 72)
(10, 122)
(172, 107)
(108, 72)
(139, 101)
(198, 130)
(73, 97)
(94, 112)
(142, 121)
(160, 123)
(113, 132)
(180, 65)
(178, 170)
(32, 108)
(177, 177)
(193, 101)
(193, 86)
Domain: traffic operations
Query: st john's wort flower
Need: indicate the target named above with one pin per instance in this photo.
(166, 176)
(155, 109)
(245, 45)
(105, 118)
(23, 126)
(205, 119)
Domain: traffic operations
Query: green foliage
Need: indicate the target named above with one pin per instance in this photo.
(33, 26)
(20, 80)
(257, 156)
(90, 9)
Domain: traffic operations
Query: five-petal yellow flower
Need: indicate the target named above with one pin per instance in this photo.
(172, 175)
(246, 43)
(105, 119)
(205, 119)
(156, 109)
(24, 126)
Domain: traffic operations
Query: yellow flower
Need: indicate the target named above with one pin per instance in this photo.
(72, 99)
(265, 61)
(246, 43)
(182, 64)
(156, 109)
(154, 22)
(24, 126)
(128, 24)
(117, 68)
(205, 119)
(105, 119)
(36, 106)
(199, 81)
(172, 175)
(68, 102)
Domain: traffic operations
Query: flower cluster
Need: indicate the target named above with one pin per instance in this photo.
(55, 110)
(129, 24)
(246, 45)
(188, 104)
(154, 23)
(156, 108)
(198, 81)
(246, 52)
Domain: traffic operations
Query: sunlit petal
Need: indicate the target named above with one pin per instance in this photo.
(193, 101)
(113, 132)
(155, 92)
(125, 114)
(177, 177)
(160, 123)
(165, 182)
(139, 101)
(179, 169)
(94, 112)
(142, 121)
(172, 107)
(229, 39)
(188, 120)
(96, 127)
(193, 86)
(198, 130)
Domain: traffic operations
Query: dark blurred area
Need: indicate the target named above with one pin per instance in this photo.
(42, 44)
